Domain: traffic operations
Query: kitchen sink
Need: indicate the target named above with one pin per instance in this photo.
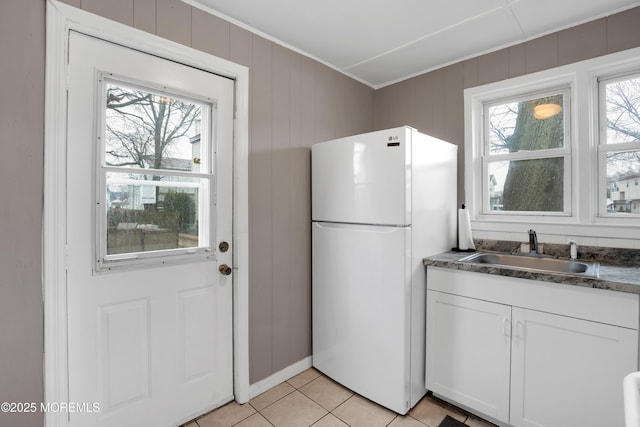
(532, 262)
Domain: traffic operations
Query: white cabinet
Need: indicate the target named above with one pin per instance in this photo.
(568, 372)
(469, 352)
(530, 353)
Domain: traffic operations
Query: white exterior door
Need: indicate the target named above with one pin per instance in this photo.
(149, 184)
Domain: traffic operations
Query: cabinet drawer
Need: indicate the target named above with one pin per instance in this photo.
(598, 305)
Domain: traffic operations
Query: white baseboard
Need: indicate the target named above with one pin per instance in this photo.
(279, 377)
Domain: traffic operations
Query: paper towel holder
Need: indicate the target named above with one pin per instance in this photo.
(457, 249)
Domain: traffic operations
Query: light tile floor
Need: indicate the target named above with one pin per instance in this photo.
(312, 399)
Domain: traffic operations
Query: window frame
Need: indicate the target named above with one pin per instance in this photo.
(585, 222)
(206, 181)
(604, 148)
(476, 182)
(564, 152)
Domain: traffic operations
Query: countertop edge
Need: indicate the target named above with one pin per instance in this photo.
(613, 278)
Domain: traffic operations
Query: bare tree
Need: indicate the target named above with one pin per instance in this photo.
(623, 124)
(538, 184)
(142, 127)
(623, 110)
(530, 185)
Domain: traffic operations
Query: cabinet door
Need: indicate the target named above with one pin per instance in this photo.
(569, 372)
(468, 352)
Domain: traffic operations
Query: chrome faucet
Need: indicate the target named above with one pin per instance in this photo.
(533, 241)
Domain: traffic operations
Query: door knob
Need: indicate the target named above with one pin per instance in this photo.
(224, 269)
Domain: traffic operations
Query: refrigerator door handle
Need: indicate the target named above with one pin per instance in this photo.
(364, 227)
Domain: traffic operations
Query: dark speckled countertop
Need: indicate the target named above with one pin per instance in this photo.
(612, 277)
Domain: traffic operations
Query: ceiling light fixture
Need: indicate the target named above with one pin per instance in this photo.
(544, 111)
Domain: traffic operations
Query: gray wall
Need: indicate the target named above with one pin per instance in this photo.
(294, 102)
(21, 140)
(434, 102)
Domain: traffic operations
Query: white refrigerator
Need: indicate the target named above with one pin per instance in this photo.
(381, 202)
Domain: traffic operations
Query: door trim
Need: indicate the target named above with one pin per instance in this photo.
(61, 19)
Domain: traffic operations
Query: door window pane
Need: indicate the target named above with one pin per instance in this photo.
(151, 131)
(156, 172)
(151, 213)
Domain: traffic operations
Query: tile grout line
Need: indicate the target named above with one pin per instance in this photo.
(282, 397)
(308, 379)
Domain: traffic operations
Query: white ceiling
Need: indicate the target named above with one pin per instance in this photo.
(379, 42)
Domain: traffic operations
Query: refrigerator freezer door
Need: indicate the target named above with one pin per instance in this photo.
(362, 309)
(364, 179)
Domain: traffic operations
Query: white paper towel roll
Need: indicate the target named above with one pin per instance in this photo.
(465, 240)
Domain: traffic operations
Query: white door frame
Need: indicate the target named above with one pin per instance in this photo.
(61, 19)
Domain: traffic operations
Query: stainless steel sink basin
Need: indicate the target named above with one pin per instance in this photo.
(580, 268)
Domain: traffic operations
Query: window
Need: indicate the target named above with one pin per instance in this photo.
(526, 154)
(619, 148)
(156, 172)
(576, 172)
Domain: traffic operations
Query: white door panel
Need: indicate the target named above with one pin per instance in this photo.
(364, 179)
(151, 342)
(124, 335)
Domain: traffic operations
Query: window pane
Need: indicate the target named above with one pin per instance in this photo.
(623, 111)
(623, 186)
(535, 124)
(149, 213)
(527, 185)
(151, 131)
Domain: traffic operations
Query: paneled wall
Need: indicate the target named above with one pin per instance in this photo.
(22, 142)
(294, 102)
(434, 102)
